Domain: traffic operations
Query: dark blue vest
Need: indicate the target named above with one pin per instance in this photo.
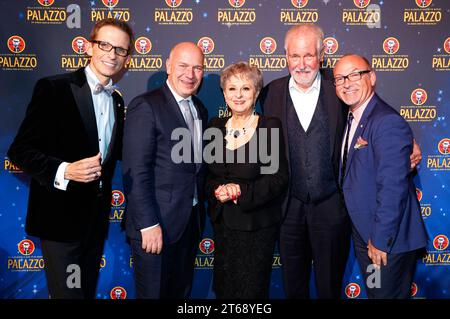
(312, 178)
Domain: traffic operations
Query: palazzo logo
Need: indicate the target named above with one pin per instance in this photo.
(441, 61)
(331, 46)
(118, 292)
(79, 45)
(16, 44)
(212, 62)
(110, 9)
(17, 59)
(268, 60)
(173, 14)
(298, 12)
(390, 61)
(76, 56)
(236, 14)
(353, 290)
(144, 60)
(422, 14)
(268, 45)
(418, 112)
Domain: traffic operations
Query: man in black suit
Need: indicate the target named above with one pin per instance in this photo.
(316, 227)
(165, 211)
(69, 143)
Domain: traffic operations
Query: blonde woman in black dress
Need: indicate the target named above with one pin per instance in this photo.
(244, 188)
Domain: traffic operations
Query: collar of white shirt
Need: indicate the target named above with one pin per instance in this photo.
(92, 78)
(314, 87)
(178, 97)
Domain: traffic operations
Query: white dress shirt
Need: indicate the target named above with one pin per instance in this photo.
(305, 102)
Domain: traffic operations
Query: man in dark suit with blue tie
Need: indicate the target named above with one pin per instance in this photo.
(165, 211)
(388, 230)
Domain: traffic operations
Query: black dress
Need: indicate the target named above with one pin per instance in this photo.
(245, 233)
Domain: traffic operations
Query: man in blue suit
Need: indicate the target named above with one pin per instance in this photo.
(165, 212)
(388, 230)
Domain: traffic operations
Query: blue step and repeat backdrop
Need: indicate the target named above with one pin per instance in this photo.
(407, 42)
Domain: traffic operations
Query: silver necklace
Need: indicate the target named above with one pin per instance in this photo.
(239, 131)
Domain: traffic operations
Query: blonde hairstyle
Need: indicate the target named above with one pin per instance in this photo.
(242, 70)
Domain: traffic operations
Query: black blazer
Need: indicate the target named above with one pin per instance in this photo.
(60, 126)
(274, 99)
(157, 189)
(261, 194)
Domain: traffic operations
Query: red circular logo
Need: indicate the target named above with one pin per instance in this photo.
(440, 242)
(352, 290)
(444, 146)
(361, 3)
(447, 45)
(414, 289)
(206, 246)
(173, 3)
(206, 44)
(118, 293)
(423, 3)
(46, 3)
(391, 45)
(419, 194)
(117, 198)
(79, 45)
(16, 44)
(299, 3)
(268, 45)
(236, 3)
(331, 45)
(143, 45)
(26, 247)
(419, 96)
(110, 3)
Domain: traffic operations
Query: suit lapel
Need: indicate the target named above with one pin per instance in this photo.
(83, 99)
(175, 115)
(283, 115)
(327, 90)
(359, 131)
(118, 107)
(173, 106)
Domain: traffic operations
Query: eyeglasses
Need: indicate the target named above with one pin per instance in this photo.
(352, 77)
(107, 47)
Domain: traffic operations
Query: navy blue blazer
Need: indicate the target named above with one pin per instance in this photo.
(157, 189)
(379, 192)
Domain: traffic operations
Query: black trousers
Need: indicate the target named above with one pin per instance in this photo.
(316, 233)
(395, 279)
(243, 262)
(85, 254)
(167, 275)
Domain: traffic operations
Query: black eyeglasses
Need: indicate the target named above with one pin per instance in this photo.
(107, 47)
(352, 77)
